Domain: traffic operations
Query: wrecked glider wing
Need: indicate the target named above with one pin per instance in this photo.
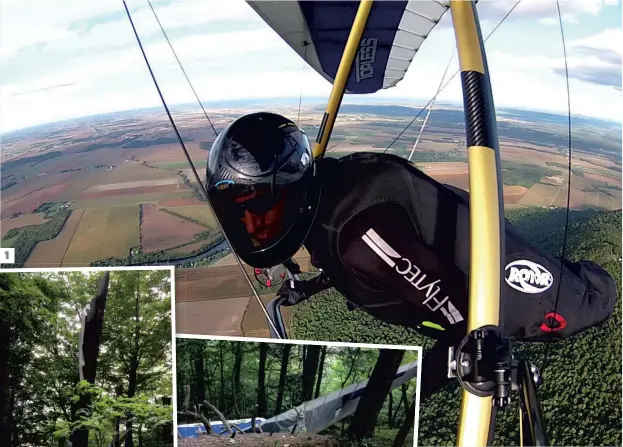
(318, 31)
(315, 415)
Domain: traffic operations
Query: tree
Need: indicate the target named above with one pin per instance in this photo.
(88, 352)
(26, 309)
(365, 417)
(139, 331)
(310, 365)
(399, 441)
(320, 368)
(261, 382)
(40, 316)
(285, 357)
(238, 355)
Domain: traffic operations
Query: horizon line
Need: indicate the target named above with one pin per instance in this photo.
(348, 100)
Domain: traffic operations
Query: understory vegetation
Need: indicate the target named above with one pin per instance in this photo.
(581, 394)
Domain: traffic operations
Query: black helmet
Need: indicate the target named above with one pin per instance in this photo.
(260, 182)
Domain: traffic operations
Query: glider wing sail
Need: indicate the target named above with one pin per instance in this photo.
(318, 31)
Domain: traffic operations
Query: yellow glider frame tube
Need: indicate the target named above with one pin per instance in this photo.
(486, 206)
(339, 84)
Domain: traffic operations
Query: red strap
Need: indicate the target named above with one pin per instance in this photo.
(559, 318)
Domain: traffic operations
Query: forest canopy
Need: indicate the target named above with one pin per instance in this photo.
(86, 358)
(581, 393)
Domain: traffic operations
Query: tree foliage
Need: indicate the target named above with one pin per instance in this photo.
(27, 237)
(581, 393)
(39, 374)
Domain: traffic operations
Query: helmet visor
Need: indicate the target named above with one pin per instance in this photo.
(256, 217)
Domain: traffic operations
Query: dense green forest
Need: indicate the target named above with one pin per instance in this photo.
(24, 239)
(581, 394)
(233, 380)
(85, 358)
(211, 239)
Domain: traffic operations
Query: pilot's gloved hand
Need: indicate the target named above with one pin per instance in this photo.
(294, 291)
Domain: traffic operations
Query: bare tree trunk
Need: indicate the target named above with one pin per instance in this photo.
(200, 374)
(261, 382)
(117, 438)
(91, 339)
(402, 397)
(165, 431)
(220, 415)
(134, 362)
(222, 390)
(371, 403)
(405, 399)
(236, 378)
(310, 365)
(282, 377)
(389, 409)
(186, 412)
(399, 441)
(352, 366)
(323, 353)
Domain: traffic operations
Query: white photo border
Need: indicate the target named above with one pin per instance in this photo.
(330, 344)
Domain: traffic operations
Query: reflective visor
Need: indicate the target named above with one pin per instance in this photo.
(257, 202)
(256, 217)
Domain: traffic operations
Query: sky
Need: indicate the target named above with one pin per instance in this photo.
(74, 58)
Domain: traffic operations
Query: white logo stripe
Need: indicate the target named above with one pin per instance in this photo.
(411, 274)
(455, 313)
(447, 315)
(382, 244)
(377, 250)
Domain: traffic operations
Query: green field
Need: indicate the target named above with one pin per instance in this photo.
(181, 164)
(114, 201)
(8, 243)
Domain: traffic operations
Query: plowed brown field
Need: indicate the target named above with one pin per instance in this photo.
(160, 230)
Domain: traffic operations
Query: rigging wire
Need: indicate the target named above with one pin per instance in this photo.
(192, 166)
(449, 80)
(569, 170)
(432, 105)
(182, 67)
(298, 116)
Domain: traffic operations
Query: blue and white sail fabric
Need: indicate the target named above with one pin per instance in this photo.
(318, 32)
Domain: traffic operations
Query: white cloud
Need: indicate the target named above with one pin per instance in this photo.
(542, 9)
(86, 70)
(65, 30)
(30, 22)
(606, 45)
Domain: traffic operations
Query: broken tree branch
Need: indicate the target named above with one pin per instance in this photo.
(220, 415)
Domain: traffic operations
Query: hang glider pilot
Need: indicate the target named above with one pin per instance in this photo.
(389, 238)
